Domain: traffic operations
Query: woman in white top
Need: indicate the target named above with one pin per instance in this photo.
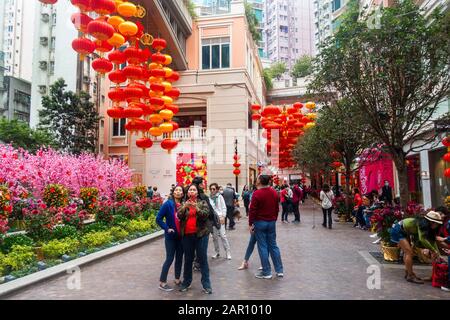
(218, 203)
(327, 196)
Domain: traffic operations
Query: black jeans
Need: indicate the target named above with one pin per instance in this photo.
(360, 217)
(327, 214)
(230, 216)
(174, 249)
(191, 245)
(285, 212)
(296, 211)
(246, 205)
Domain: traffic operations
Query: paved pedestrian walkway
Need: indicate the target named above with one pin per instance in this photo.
(319, 264)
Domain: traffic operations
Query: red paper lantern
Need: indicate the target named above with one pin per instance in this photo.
(169, 144)
(255, 107)
(172, 107)
(83, 46)
(133, 93)
(102, 65)
(132, 72)
(117, 77)
(446, 141)
(256, 117)
(236, 172)
(335, 155)
(271, 111)
(174, 93)
(236, 157)
(103, 7)
(115, 113)
(83, 5)
(103, 46)
(144, 143)
(81, 21)
(157, 87)
(100, 29)
(447, 173)
(134, 55)
(174, 77)
(236, 165)
(157, 102)
(51, 2)
(297, 105)
(159, 58)
(447, 157)
(336, 164)
(158, 73)
(116, 95)
(117, 57)
(159, 44)
(133, 112)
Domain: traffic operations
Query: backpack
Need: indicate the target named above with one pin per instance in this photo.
(213, 216)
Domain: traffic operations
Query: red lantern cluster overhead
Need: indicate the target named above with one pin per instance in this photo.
(289, 123)
(144, 93)
(236, 165)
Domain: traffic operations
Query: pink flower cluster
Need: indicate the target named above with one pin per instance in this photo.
(20, 171)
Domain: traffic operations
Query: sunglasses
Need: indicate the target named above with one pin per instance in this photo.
(213, 189)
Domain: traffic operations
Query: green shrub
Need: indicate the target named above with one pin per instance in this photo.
(137, 226)
(104, 214)
(2, 264)
(57, 248)
(62, 232)
(118, 233)
(96, 239)
(19, 258)
(95, 227)
(119, 219)
(152, 221)
(149, 213)
(17, 239)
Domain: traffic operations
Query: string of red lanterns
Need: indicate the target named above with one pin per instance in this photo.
(446, 157)
(291, 123)
(144, 93)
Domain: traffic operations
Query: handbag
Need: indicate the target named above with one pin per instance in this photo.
(440, 275)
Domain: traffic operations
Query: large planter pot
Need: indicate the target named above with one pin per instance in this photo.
(390, 253)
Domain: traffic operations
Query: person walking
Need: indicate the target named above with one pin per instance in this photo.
(296, 198)
(168, 221)
(218, 204)
(327, 197)
(246, 194)
(229, 195)
(284, 196)
(193, 215)
(263, 215)
(386, 193)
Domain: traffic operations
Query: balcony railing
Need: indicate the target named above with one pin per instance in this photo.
(193, 133)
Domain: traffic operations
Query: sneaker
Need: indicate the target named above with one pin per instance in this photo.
(228, 256)
(377, 241)
(260, 275)
(260, 268)
(217, 255)
(184, 288)
(165, 287)
(374, 235)
(446, 289)
(280, 275)
(207, 291)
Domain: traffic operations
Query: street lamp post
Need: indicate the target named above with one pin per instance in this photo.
(235, 154)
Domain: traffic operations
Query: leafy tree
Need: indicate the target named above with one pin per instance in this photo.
(277, 70)
(191, 8)
(253, 22)
(20, 135)
(303, 67)
(71, 118)
(396, 73)
(267, 79)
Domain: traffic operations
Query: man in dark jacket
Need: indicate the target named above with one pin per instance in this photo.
(229, 195)
(297, 197)
(386, 193)
(263, 216)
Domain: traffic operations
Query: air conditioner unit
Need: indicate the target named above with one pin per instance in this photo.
(44, 41)
(45, 17)
(42, 89)
(43, 65)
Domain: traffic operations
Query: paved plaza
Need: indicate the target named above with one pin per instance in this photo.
(318, 264)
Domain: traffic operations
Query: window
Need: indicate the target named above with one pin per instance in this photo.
(216, 53)
(119, 127)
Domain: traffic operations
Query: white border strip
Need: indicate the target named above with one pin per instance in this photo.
(26, 281)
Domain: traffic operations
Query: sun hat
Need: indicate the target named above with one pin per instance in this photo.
(433, 216)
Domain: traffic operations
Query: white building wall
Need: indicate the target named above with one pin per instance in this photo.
(63, 56)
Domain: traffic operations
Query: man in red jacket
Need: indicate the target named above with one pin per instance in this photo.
(263, 215)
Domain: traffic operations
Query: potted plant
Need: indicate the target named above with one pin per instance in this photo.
(383, 219)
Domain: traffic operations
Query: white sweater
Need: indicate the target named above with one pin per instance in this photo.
(221, 208)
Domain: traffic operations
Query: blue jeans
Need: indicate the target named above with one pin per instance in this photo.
(250, 247)
(174, 249)
(265, 232)
(191, 245)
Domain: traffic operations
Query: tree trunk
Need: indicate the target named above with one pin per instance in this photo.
(402, 170)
